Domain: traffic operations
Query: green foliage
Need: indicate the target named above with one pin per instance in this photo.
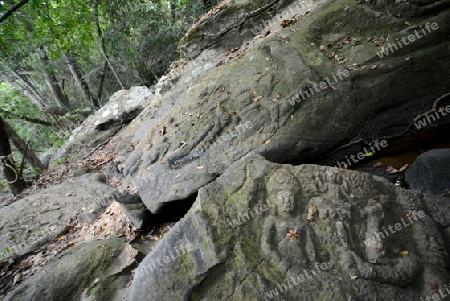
(13, 104)
(58, 162)
(140, 36)
(148, 35)
(56, 140)
(14, 107)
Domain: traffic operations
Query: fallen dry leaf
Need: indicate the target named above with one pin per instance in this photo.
(60, 238)
(286, 23)
(163, 130)
(277, 96)
(391, 170)
(216, 9)
(100, 231)
(403, 253)
(434, 288)
(68, 246)
(292, 234)
(378, 164)
(403, 168)
(265, 34)
(312, 209)
(256, 97)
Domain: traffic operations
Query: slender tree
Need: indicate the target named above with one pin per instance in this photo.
(16, 182)
(23, 147)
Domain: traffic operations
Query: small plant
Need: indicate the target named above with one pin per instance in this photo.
(5, 185)
(58, 161)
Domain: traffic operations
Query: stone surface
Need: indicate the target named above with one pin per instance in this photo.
(29, 223)
(233, 22)
(133, 208)
(91, 271)
(121, 109)
(195, 127)
(232, 244)
(430, 172)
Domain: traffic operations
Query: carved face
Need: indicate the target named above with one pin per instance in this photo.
(285, 201)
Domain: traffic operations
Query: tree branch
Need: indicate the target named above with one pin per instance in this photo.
(12, 10)
(28, 119)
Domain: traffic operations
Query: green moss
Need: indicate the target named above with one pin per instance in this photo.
(185, 265)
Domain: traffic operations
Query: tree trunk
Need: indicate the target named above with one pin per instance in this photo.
(16, 183)
(52, 83)
(95, 3)
(28, 94)
(81, 84)
(101, 80)
(55, 110)
(25, 118)
(56, 92)
(29, 155)
(173, 15)
(27, 89)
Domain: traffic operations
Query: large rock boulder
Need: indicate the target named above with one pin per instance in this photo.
(430, 172)
(316, 90)
(264, 231)
(233, 22)
(29, 223)
(91, 271)
(121, 109)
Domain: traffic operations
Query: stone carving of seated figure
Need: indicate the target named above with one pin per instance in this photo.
(284, 203)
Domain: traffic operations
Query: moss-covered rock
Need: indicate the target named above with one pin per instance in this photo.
(91, 271)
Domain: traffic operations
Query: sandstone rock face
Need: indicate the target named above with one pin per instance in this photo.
(430, 172)
(263, 231)
(29, 223)
(121, 109)
(317, 90)
(92, 271)
(234, 21)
